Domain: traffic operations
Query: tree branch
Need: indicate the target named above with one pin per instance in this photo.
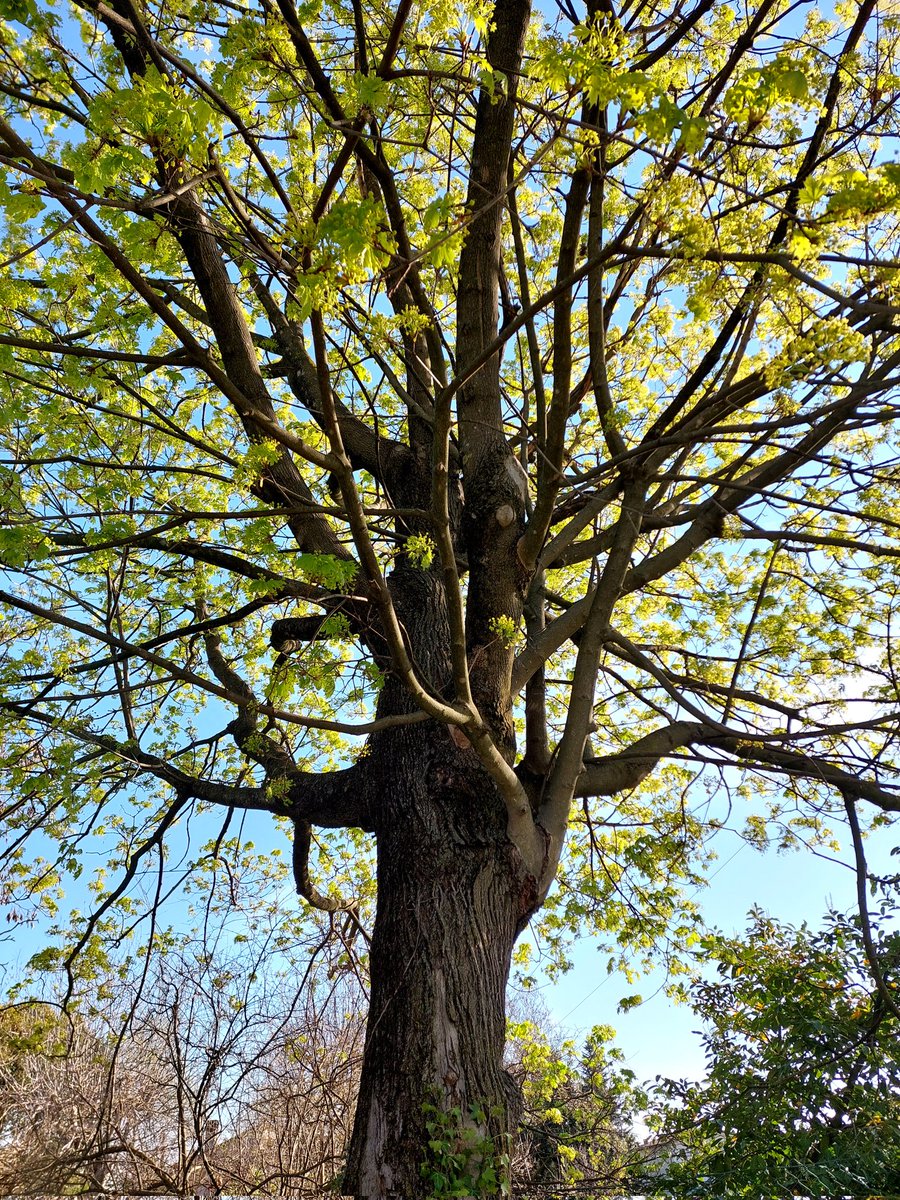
(806, 766)
(625, 770)
(862, 878)
(331, 799)
(261, 748)
(366, 449)
(550, 463)
(300, 862)
(261, 418)
(129, 649)
(553, 813)
(539, 649)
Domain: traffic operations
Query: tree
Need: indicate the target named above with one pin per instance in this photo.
(803, 1087)
(529, 387)
(203, 1069)
(199, 1097)
(579, 1111)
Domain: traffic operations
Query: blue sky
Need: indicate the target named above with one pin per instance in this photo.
(658, 1037)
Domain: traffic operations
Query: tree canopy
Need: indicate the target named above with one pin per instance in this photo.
(467, 435)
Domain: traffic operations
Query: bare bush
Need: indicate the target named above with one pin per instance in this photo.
(192, 1080)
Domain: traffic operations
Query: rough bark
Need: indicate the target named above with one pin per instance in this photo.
(452, 896)
(451, 900)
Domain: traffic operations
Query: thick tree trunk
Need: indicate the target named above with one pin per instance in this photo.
(451, 900)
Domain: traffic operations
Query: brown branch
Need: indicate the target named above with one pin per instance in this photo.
(534, 350)
(196, 551)
(135, 858)
(302, 844)
(568, 764)
(669, 43)
(537, 757)
(366, 449)
(332, 799)
(539, 649)
(862, 877)
(553, 553)
(122, 25)
(178, 358)
(392, 45)
(597, 306)
(802, 538)
(550, 463)
(282, 481)
(480, 418)
(261, 748)
(263, 419)
(223, 693)
(625, 770)
(806, 766)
